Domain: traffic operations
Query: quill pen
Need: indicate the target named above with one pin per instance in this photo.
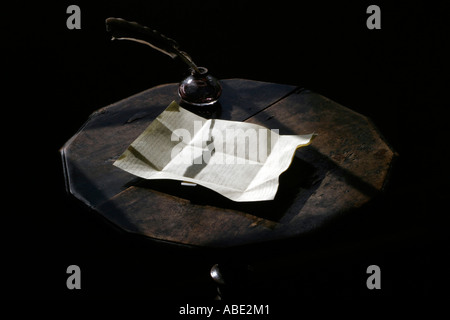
(121, 29)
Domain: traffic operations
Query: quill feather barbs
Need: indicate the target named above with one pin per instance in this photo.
(121, 29)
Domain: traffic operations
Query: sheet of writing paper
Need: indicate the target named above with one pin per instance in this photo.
(239, 160)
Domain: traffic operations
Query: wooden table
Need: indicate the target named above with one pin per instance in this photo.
(346, 166)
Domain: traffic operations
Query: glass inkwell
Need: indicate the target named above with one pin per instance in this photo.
(200, 92)
(200, 88)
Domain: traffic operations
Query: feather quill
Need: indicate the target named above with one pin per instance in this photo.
(121, 29)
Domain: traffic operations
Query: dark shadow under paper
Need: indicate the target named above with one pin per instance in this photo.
(295, 184)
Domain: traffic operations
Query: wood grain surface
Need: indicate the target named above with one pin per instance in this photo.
(346, 166)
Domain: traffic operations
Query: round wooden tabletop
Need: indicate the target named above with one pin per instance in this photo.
(346, 166)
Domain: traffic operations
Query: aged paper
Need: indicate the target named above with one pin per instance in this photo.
(241, 161)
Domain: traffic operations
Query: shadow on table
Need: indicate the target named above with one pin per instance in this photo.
(295, 184)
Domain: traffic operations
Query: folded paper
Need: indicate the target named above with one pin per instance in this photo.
(241, 161)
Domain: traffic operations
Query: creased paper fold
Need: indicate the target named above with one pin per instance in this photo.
(241, 161)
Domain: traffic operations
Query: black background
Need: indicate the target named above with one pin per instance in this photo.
(57, 77)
